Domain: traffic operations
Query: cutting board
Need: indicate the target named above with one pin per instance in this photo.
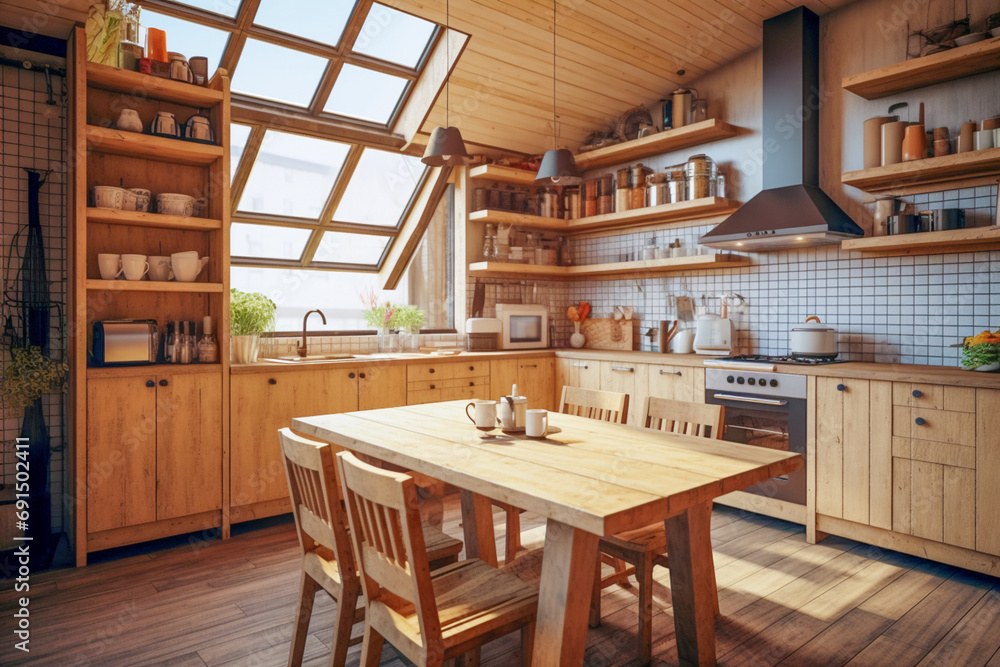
(608, 334)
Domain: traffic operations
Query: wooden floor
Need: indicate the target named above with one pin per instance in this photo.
(214, 603)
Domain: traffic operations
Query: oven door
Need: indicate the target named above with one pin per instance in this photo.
(775, 423)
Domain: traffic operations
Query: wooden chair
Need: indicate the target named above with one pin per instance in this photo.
(427, 616)
(327, 559)
(606, 406)
(638, 551)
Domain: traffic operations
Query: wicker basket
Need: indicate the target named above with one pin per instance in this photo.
(481, 342)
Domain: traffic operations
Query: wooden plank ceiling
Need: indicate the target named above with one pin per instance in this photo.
(612, 56)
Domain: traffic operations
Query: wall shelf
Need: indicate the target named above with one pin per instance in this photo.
(661, 142)
(641, 268)
(666, 213)
(152, 286)
(495, 172)
(154, 220)
(929, 170)
(164, 149)
(148, 86)
(929, 243)
(947, 65)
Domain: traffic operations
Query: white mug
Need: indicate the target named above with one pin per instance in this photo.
(485, 416)
(185, 269)
(983, 140)
(109, 265)
(536, 423)
(159, 268)
(134, 266)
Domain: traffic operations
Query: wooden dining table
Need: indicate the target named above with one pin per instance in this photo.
(588, 479)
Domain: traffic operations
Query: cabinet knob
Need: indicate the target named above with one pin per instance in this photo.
(350, 375)
(472, 368)
(472, 384)
(432, 370)
(432, 386)
(919, 421)
(841, 387)
(272, 381)
(150, 383)
(163, 383)
(361, 375)
(917, 393)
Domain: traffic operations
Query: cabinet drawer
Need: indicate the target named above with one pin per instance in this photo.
(934, 397)
(674, 382)
(453, 383)
(418, 396)
(418, 372)
(957, 428)
(960, 456)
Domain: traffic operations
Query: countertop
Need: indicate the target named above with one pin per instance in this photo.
(369, 360)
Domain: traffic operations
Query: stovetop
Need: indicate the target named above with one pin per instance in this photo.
(779, 359)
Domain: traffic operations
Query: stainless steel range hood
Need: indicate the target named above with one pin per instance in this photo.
(791, 211)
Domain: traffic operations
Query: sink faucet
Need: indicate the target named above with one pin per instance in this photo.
(302, 350)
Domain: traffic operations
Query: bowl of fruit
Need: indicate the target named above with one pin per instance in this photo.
(982, 352)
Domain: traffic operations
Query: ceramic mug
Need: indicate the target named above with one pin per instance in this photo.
(199, 69)
(186, 269)
(942, 147)
(536, 423)
(485, 414)
(892, 142)
(134, 266)
(159, 268)
(914, 143)
(108, 196)
(129, 121)
(109, 265)
(199, 127)
(164, 123)
(983, 140)
(141, 198)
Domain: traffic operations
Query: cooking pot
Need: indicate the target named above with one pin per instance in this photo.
(813, 339)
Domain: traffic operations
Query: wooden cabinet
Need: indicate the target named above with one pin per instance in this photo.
(381, 387)
(154, 448)
(430, 383)
(988, 471)
(627, 378)
(535, 378)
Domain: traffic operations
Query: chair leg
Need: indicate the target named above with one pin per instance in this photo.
(371, 649)
(307, 594)
(595, 600)
(344, 623)
(527, 644)
(512, 540)
(644, 573)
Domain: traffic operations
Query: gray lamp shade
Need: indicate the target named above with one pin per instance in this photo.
(558, 168)
(445, 148)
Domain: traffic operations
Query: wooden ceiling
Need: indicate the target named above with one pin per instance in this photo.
(612, 56)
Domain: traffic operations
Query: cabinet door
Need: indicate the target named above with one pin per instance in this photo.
(988, 471)
(188, 444)
(628, 378)
(503, 375)
(381, 387)
(675, 382)
(536, 380)
(931, 499)
(260, 405)
(121, 452)
(584, 373)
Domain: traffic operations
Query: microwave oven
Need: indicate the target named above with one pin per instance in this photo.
(523, 327)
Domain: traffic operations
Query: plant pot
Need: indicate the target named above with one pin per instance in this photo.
(410, 341)
(245, 349)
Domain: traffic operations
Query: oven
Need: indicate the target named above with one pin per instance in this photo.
(764, 410)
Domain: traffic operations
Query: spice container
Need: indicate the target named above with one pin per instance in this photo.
(605, 194)
(638, 190)
(208, 349)
(571, 203)
(478, 199)
(656, 190)
(701, 175)
(623, 190)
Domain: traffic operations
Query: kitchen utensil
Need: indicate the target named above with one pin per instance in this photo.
(885, 206)
(904, 223)
(512, 411)
(141, 198)
(134, 267)
(536, 423)
(129, 121)
(682, 111)
(685, 307)
(109, 265)
(942, 147)
(702, 175)
(186, 269)
(872, 139)
(983, 140)
(813, 339)
(199, 128)
(971, 38)
(892, 142)
(966, 138)
(485, 414)
(483, 334)
(179, 68)
(941, 133)
(109, 196)
(174, 203)
(164, 123)
(945, 218)
(714, 335)
(159, 268)
(199, 69)
(914, 143)
(684, 342)
(125, 342)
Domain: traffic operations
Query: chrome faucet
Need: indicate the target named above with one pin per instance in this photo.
(302, 350)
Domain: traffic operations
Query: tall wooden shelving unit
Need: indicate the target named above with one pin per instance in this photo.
(150, 443)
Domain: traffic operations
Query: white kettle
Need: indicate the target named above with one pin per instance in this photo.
(714, 335)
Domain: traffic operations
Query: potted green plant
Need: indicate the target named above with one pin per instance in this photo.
(409, 319)
(381, 317)
(250, 315)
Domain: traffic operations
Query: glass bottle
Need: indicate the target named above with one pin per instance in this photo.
(208, 349)
(176, 343)
(488, 243)
(168, 344)
(565, 252)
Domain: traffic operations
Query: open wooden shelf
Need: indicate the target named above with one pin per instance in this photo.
(947, 65)
(661, 142)
(113, 216)
(148, 86)
(929, 243)
(163, 149)
(152, 286)
(649, 267)
(665, 213)
(495, 172)
(929, 170)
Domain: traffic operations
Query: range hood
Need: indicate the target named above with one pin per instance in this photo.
(791, 211)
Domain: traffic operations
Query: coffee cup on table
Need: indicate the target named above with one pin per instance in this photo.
(109, 265)
(134, 266)
(484, 414)
(536, 423)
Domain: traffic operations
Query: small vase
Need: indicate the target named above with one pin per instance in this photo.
(577, 339)
(388, 342)
(245, 349)
(410, 341)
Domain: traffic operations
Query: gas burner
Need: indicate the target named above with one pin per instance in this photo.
(786, 359)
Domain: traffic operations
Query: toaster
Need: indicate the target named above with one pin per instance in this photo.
(714, 335)
(125, 343)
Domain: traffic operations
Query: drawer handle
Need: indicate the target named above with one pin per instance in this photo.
(663, 372)
(580, 364)
(362, 376)
(472, 384)
(841, 387)
(917, 393)
(432, 386)
(272, 381)
(472, 368)
(919, 421)
(623, 369)
(432, 370)
(529, 366)
(150, 383)
(163, 383)
(350, 375)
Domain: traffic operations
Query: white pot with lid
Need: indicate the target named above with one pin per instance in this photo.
(813, 339)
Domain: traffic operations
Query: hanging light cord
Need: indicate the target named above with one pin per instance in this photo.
(447, 64)
(555, 136)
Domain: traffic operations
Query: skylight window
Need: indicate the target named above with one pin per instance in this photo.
(188, 38)
(394, 36)
(267, 241)
(224, 7)
(319, 20)
(292, 175)
(276, 73)
(380, 188)
(366, 94)
(238, 136)
(342, 248)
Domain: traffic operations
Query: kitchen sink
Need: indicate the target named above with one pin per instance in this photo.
(312, 358)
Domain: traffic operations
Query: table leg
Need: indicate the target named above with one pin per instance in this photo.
(692, 584)
(477, 525)
(564, 595)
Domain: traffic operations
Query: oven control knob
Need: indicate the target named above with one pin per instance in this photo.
(730, 379)
(774, 383)
(751, 381)
(762, 382)
(740, 380)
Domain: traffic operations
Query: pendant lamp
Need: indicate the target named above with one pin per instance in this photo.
(445, 147)
(558, 165)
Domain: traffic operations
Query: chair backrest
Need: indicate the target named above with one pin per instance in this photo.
(385, 530)
(312, 484)
(609, 406)
(681, 417)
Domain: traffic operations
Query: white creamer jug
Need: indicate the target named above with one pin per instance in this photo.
(513, 410)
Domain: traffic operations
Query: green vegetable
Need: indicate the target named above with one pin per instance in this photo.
(250, 313)
(29, 376)
(983, 354)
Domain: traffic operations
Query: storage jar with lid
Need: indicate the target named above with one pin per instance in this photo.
(701, 176)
